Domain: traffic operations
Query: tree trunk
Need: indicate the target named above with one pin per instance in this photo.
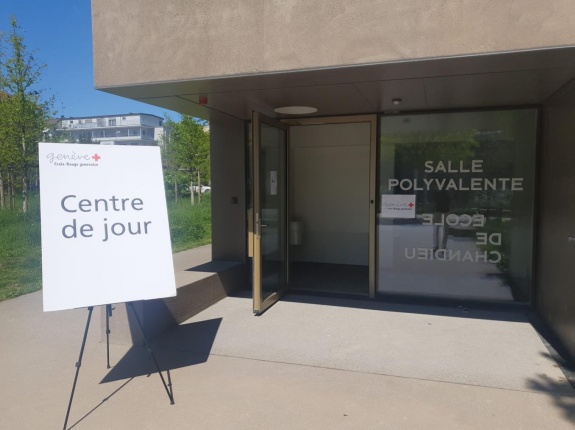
(10, 188)
(25, 178)
(199, 189)
(2, 202)
(176, 187)
(25, 186)
(192, 192)
(13, 190)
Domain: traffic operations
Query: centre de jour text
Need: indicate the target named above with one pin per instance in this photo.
(456, 184)
(72, 204)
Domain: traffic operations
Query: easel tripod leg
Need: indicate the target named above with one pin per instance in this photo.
(108, 315)
(168, 387)
(78, 365)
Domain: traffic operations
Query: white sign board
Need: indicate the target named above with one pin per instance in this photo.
(397, 206)
(105, 231)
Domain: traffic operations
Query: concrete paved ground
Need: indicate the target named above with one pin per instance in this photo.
(307, 363)
(492, 349)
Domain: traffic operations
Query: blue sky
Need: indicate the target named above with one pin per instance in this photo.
(60, 33)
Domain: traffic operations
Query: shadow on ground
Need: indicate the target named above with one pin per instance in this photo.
(100, 404)
(450, 308)
(212, 266)
(563, 400)
(182, 346)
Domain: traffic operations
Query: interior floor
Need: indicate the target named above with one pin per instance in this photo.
(326, 277)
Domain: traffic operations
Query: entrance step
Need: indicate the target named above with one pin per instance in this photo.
(199, 286)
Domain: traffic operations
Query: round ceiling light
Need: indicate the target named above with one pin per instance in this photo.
(295, 110)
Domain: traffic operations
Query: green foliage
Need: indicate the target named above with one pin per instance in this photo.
(190, 226)
(20, 256)
(186, 147)
(179, 179)
(85, 137)
(58, 136)
(417, 148)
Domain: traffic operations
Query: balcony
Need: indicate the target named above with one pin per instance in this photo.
(82, 125)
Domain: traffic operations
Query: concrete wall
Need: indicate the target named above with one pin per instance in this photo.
(555, 299)
(228, 173)
(174, 40)
(329, 175)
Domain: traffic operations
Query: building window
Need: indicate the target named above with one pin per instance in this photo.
(456, 198)
(112, 122)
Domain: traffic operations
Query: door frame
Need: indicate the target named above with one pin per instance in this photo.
(350, 119)
(260, 304)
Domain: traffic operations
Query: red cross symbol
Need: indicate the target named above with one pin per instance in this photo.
(96, 157)
(410, 205)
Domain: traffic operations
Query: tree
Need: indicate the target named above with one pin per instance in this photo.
(85, 137)
(169, 158)
(24, 114)
(188, 149)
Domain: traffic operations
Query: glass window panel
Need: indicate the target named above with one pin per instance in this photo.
(273, 188)
(456, 197)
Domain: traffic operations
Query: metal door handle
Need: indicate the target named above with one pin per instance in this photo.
(259, 226)
(571, 239)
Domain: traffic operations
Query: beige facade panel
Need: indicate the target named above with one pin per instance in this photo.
(175, 40)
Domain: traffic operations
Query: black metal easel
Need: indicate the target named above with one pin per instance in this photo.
(108, 315)
(78, 364)
(168, 386)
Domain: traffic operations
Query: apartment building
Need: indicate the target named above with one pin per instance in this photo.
(121, 129)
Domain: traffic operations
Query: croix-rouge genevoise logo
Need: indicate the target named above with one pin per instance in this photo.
(73, 159)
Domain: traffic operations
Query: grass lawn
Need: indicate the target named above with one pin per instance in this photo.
(190, 226)
(21, 258)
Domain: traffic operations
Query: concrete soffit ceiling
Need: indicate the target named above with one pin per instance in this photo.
(506, 79)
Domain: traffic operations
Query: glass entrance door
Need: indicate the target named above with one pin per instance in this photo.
(270, 246)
